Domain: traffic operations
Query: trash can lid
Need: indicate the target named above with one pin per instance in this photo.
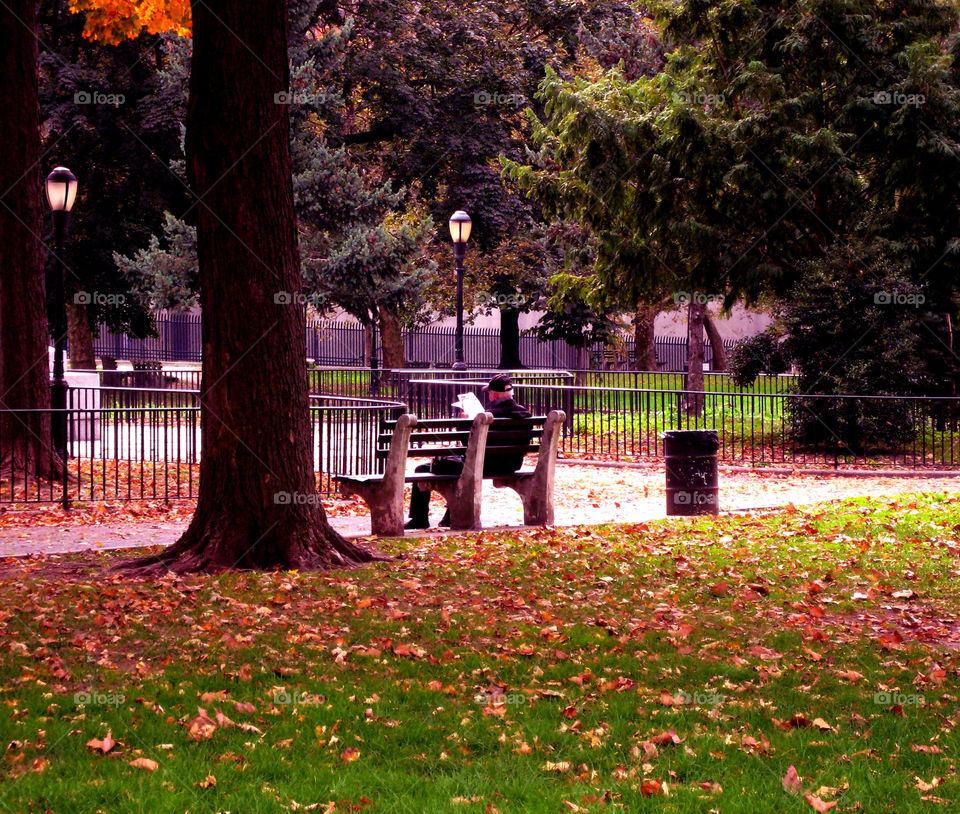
(704, 438)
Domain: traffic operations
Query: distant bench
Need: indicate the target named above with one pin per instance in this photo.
(409, 437)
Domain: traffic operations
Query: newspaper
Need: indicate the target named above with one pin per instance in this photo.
(469, 404)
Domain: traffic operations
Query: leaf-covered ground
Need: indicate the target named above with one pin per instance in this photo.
(794, 661)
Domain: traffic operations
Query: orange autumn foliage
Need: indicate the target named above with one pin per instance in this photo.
(110, 21)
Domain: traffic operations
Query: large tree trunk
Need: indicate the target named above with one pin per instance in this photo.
(80, 338)
(643, 339)
(258, 505)
(716, 343)
(693, 401)
(25, 441)
(510, 339)
(391, 340)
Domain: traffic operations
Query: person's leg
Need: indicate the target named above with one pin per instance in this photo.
(419, 504)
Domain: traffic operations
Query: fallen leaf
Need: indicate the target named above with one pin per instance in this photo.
(201, 728)
(104, 745)
(650, 787)
(791, 781)
(145, 763)
(817, 804)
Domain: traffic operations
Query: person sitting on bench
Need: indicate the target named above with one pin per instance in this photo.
(502, 405)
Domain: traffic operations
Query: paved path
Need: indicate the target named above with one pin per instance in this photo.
(584, 495)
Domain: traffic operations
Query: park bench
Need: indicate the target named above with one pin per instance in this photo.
(408, 437)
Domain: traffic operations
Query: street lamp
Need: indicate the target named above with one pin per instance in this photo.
(61, 193)
(460, 225)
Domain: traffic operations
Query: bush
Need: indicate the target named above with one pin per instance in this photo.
(852, 328)
(749, 358)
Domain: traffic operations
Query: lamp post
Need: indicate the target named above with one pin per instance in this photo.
(61, 193)
(460, 225)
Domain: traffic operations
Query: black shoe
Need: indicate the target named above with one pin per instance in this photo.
(445, 520)
(416, 524)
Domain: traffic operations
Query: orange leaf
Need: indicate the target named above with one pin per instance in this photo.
(145, 763)
(104, 745)
(817, 804)
(648, 788)
(349, 754)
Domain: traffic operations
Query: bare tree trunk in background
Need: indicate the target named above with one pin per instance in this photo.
(25, 441)
(583, 364)
(80, 338)
(258, 506)
(369, 343)
(391, 340)
(510, 339)
(716, 343)
(693, 402)
(643, 338)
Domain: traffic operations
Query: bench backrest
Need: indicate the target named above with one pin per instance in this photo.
(436, 438)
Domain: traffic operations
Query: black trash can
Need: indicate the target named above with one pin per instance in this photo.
(691, 457)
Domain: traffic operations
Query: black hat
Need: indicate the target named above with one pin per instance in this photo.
(499, 384)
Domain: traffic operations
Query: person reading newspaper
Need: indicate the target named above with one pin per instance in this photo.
(502, 405)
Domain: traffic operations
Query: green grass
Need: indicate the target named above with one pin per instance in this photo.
(575, 636)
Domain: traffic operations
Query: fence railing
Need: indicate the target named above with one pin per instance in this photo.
(755, 428)
(142, 443)
(152, 452)
(338, 343)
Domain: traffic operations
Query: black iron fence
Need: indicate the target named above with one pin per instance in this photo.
(144, 443)
(338, 343)
(755, 428)
(152, 452)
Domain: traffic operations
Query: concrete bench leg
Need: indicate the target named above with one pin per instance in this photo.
(464, 505)
(385, 503)
(537, 502)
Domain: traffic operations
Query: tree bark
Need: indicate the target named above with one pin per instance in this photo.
(510, 339)
(391, 340)
(258, 506)
(643, 339)
(25, 441)
(693, 401)
(716, 343)
(80, 338)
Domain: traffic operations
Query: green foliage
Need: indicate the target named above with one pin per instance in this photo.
(164, 275)
(758, 354)
(853, 326)
(774, 137)
(109, 113)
